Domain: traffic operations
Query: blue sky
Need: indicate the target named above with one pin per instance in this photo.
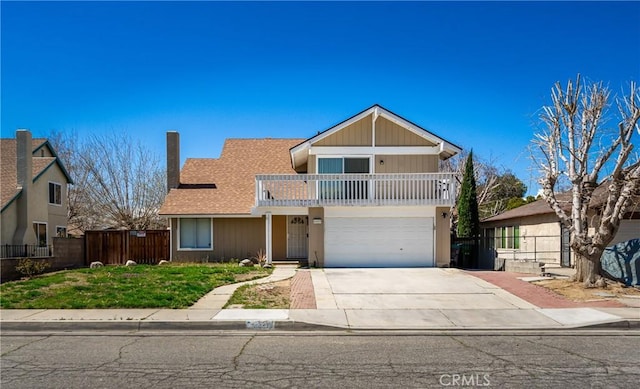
(474, 73)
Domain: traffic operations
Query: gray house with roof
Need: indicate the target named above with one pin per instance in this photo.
(34, 196)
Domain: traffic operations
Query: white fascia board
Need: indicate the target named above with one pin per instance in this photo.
(446, 146)
(333, 130)
(410, 126)
(380, 150)
(302, 148)
(419, 131)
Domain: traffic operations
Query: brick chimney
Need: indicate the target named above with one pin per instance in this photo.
(173, 160)
(24, 233)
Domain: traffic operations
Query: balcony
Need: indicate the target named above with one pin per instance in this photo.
(317, 190)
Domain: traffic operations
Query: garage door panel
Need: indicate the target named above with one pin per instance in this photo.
(378, 242)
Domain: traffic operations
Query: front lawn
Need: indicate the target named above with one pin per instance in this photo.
(141, 286)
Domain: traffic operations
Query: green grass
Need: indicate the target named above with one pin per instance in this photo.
(141, 286)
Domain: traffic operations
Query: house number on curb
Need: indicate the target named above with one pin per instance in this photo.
(260, 324)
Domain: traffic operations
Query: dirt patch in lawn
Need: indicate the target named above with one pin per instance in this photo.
(274, 295)
(576, 292)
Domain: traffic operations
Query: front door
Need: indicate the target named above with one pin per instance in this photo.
(297, 227)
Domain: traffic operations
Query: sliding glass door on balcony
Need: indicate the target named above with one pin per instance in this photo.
(343, 189)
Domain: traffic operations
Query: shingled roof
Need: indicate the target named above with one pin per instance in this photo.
(540, 206)
(226, 185)
(8, 171)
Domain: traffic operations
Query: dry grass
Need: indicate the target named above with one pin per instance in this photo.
(274, 295)
(576, 292)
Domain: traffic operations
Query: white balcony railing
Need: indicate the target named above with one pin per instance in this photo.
(307, 190)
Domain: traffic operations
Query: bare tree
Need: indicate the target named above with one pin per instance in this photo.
(576, 146)
(495, 185)
(66, 145)
(118, 183)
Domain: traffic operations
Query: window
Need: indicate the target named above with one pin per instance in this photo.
(61, 232)
(41, 233)
(195, 233)
(344, 189)
(508, 237)
(55, 193)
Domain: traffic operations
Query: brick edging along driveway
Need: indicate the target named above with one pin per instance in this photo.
(302, 293)
(537, 295)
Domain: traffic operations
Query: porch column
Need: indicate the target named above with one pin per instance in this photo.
(268, 237)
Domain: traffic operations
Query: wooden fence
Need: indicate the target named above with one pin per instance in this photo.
(116, 247)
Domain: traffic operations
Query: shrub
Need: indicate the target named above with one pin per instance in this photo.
(29, 268)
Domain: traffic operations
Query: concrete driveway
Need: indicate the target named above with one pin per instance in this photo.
(411, 288)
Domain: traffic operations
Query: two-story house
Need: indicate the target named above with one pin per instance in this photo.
(34, 196)
(366, 192)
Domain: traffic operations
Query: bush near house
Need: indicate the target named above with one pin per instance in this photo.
(142, 286)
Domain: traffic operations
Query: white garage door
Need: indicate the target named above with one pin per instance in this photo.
(378, 242)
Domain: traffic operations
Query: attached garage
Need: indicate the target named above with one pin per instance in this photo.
(379, 242)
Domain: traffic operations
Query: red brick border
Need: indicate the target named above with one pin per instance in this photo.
(537, 295)
(302, 294)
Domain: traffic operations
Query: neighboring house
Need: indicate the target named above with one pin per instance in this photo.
(364, 193)
(533, 231)
(34, 195)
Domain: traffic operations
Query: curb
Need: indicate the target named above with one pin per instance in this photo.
(621, 324)
(260, 326)
(140, 325)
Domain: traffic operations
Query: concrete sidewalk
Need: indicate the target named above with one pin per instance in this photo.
(450, 300)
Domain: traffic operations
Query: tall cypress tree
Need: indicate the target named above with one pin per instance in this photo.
(468, 217)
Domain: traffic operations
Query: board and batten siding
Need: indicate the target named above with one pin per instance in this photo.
(406, 164)
(355, 134)
(390, 134)
(233, 238)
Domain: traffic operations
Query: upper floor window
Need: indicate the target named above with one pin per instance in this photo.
(351, 189)
(55, 193)
(61, 231)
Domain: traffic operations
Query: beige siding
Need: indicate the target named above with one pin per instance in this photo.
(406, 164)
(238, 237)
(57, 214)
(8, 223)
(279, 237)
(539, 238)
(43, 152)
(40, 209)
(391, 134)
(316, 238)
(311, 163)
(355, 134)
(443, 237)
(233, 238)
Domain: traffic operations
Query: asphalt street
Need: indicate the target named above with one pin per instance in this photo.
(341, 360)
